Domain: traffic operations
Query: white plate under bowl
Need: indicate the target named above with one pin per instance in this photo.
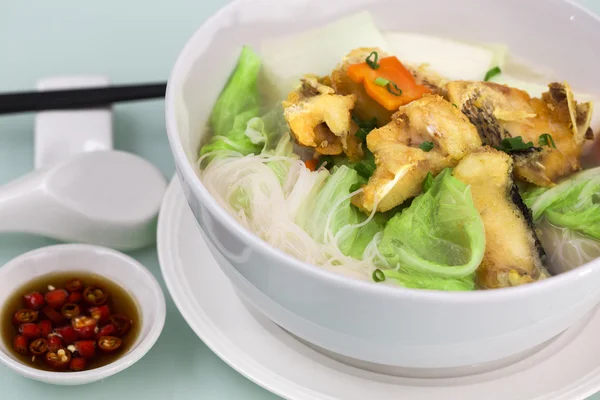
(567, 368)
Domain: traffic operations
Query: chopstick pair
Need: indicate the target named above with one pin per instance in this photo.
(69, 99)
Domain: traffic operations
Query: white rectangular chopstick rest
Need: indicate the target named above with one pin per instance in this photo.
(63, 133)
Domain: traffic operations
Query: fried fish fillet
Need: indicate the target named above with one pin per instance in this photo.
(401, 165)
(500, 112)
(320, 118)
(513, 254)
(425, 76)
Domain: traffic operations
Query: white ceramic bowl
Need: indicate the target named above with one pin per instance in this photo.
(113, 265)
(365, 321)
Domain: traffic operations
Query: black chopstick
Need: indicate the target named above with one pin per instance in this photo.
(78, 98)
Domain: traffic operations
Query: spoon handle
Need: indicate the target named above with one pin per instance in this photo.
(78, 98)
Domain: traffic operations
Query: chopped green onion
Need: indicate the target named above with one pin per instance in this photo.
(492, 73)
(510, 145)
(355, 187)
(327, 160)
(393, 89)
(378, 275)
(364, 127)
(361, 134)
(454, 105)
(546, 140)
(426, 146)
(427, 182)
(381, 81)
(371, 60)
(365, 169)
(366, 166)
(367, 125)
(596, 198)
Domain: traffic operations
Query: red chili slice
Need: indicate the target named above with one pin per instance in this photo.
(59, 359)
(86, 348)
(53, 315)
(30, 330)
(95, 295)
(34, 300)
(77, 364)
(68, 334)
(20, 344)
(73, 285)
(100, 313)
(106, 330)
(70, 310)
(74, 297)
(45, 327)
(38, 346)
(84, 326)
(25, 315)
(55, 343)
(109, 344)
(56, 298)
(121, 323)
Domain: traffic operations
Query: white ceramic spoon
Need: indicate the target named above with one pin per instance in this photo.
(108, 198)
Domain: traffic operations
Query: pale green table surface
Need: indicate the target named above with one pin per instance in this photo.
(130, 41)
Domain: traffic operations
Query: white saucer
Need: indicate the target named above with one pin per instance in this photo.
(568, 368)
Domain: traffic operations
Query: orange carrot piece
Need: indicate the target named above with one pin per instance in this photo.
(400, 90)
(311, 164)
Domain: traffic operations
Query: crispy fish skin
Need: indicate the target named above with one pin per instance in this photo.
(500, 112)
(401, 165)
(513, 254)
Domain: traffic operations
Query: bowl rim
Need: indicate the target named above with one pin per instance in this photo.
(183, 167)
(135, 354)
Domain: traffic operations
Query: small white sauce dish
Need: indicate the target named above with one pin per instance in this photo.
(110, 264)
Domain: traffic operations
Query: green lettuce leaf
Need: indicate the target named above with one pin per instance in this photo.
(266, 131)
(573, 204)
(284, 148)
(418, 281)
(566, 249)
(237, 105)
(318, 206)
(240, 199)
(440, 234)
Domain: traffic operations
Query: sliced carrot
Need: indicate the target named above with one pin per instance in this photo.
(399, 80)
(311, 164)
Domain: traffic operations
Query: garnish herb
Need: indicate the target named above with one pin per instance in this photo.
(427, 182)
(366, 166)
(492, 73)
(327, 160)
(455, 105)
(364, 127)
(596, 198)
(426, 146)
(378, 275)
(381, 81)
(355, 187)
(372, 59)
(510, 145)
(393, 89)
(546, 140)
